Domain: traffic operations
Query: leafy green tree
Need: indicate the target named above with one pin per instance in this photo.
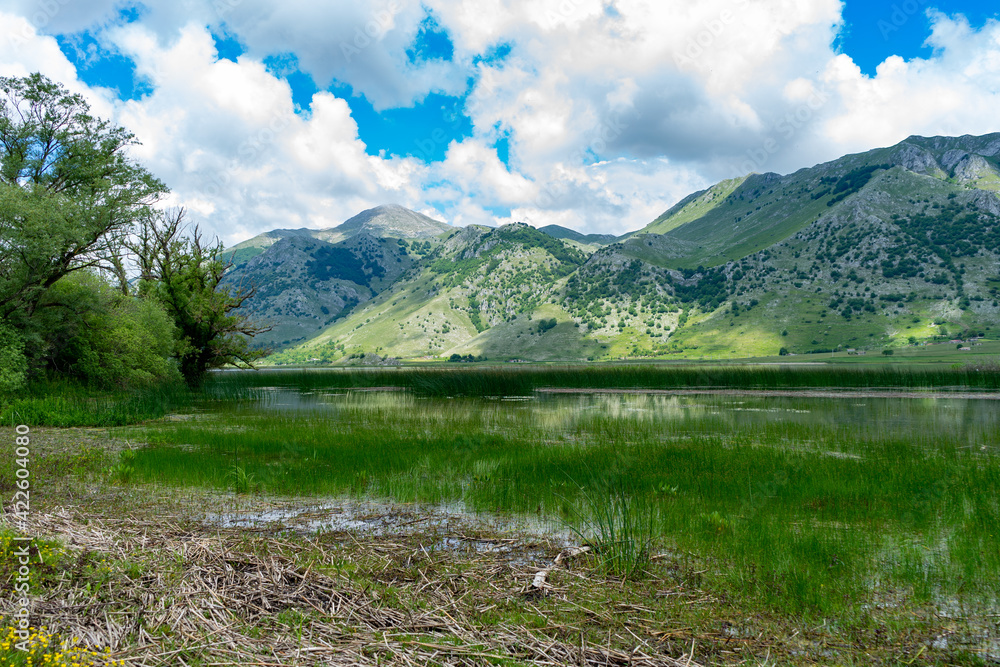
(86, 329)
(69, 192)
(13, 364)
(178, 270)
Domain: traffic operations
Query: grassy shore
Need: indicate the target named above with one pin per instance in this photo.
(137, 574)
(798, 530)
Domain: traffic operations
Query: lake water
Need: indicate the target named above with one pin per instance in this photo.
(976, 420)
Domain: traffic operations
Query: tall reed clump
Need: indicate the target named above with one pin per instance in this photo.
(618, 524)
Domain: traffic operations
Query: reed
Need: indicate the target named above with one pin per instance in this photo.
(812, 507)
(64, 404)
(522, 381)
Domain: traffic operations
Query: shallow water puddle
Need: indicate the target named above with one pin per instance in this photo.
(490, 533)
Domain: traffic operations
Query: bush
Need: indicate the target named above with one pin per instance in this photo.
(13, 365)
(887, 353)
(783, 352)
(545, 325)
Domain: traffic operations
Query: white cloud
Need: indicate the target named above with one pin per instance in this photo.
(613, 110)
(362, 43)
(225, 136)
(954, 92)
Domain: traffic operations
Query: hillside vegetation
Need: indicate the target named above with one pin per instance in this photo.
(875, 251)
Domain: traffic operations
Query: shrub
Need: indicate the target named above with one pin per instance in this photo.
(13, 365)
(545, 325)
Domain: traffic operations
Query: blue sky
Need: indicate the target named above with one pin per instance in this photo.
(873, 31)
(407, 131)
(595, 114)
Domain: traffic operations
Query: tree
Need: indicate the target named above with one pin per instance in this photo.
(69, 192)
(87, 330)
(13, 364)
(180, 271)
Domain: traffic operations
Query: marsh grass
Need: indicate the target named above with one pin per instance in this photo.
(617, 524)
(812, 517)
(64, 404)
(502, 381)
(242, 482)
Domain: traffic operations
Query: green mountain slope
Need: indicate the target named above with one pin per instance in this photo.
(883, 249)
(303, 284)
(560, 232)
(912, 257)
(481, 292)
(693, 206)
(739, 217)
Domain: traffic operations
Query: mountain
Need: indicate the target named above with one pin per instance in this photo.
(481, 289)
(880, 249)
(559, 232)
(305, 279)
(388, 221)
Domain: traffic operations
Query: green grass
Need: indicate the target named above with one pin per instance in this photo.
(522, 381)
(64, 404)
(695, 208)
(816, 510)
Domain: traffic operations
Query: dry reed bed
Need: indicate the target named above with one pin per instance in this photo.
(214, 596)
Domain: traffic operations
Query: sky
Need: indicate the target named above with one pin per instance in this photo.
(597, 115)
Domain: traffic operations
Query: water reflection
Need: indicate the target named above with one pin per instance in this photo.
(976, 420)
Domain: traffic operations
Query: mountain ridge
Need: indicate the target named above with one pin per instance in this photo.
(884, 248)
(389, 220)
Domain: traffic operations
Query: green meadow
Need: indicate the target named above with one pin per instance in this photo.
(812, 506)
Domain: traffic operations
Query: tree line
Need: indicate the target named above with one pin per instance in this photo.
(99, 284)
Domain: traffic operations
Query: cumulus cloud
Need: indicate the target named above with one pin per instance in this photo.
(227, 138)
(954, 92)
(612, 111)
(362, 43)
